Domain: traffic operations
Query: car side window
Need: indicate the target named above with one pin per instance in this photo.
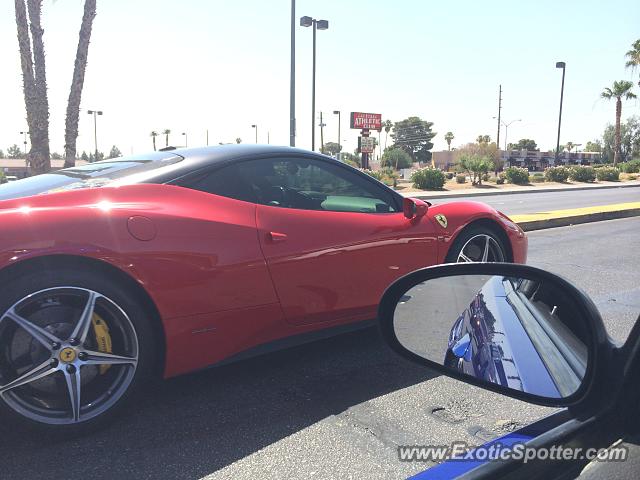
(225, 182)
(313, 185)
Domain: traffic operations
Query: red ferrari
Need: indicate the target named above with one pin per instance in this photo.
(187, 258)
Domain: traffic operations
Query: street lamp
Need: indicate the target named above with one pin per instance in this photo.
(186, 139)
(317, 25)
(25, 141)
(337, 112)
(563, 66)
(292, 79)
(256, 127)
(95, 130)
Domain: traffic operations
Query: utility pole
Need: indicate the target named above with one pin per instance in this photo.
(499, 111)
(292, 80)
(322, 125)
(207, 137)
(563, 66)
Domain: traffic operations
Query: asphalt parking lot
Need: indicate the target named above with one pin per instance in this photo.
(332, 409)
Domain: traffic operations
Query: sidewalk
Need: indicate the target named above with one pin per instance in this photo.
(480, 192)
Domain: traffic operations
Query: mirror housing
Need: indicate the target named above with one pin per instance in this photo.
(412, 343)
(414, 208)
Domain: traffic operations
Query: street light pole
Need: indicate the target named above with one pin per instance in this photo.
(256, 127)
(95, 130)
(25, 141)
(506, 130)
(186, 139)
(322, 125)
(292, 80)
(317, 25)
(337, 112)
(563, 66)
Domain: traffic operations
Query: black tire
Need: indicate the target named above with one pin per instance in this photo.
(470, 233)
(139, 319)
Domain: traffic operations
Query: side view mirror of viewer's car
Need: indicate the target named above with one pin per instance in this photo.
(509, 328)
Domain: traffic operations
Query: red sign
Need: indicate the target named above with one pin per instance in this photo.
(370, 121)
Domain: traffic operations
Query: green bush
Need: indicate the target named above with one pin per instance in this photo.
(608, 174)
(477, 166)
(556, 174)
(428, 179)
(396, 158)
(632, 166)
(537, 178)
(579, 173)
(461, 179)
(517, 175)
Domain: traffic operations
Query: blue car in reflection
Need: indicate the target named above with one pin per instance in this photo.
(500, 336)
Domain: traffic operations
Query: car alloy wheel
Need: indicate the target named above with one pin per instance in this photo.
(481, 248)
(67, 355)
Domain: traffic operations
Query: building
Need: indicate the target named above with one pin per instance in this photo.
(18, 166)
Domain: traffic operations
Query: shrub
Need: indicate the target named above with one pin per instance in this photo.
(461, 179)
(556, 174)
(609, 174)
(449, 175)
(500, 180)
(428, 179)
(396, 158)
(579, 173)
(477, 166)
(377, 174)
(632, 166)
(537, 178)
(517, 175)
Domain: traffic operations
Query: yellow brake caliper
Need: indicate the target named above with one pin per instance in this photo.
(101, 331)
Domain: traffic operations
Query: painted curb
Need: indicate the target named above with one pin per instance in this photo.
(531, 225)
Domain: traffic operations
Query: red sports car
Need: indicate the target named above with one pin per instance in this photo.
(187, 258)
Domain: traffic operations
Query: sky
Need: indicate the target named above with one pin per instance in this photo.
(223, 66)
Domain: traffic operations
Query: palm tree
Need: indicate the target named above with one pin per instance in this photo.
(153, 135)
(449, 137)
(620, 89)
(388, 125)
(634, 56)
(34, 82)
(238, 140)
(77, 83)
(483, 139)
(166, 133)
(569, 146)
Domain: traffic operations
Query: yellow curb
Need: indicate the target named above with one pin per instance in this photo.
(558, 218)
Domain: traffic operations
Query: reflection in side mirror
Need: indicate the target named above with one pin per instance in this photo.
(521, 334)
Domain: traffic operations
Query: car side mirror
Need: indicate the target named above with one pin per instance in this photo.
(414, 208)
(509, 328)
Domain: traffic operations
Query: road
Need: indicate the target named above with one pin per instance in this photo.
(337, 408)
(546, 201)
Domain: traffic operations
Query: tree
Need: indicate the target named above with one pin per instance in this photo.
(166, 133)
(96, 158)
(14, 152)
(524, 144)
(414, 136)
(153, 135)
(331, 148)
(77, 84)
(633, 56)
(621, 89)
(34, 81)
(56, 156)
(396, 158)
(238, 140)
(388, 125)
(449, 138)
(629, 140)
(476, 165)
(488, 150)
(569, 146)
(1, 153)
(115, 152)
(483, 139)
(84, 156)
(595, 146)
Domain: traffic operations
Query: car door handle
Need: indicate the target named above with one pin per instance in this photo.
(277, 236)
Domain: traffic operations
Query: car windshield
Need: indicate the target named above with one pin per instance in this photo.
(89, 175)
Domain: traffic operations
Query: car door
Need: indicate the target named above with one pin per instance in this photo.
(333, 239)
